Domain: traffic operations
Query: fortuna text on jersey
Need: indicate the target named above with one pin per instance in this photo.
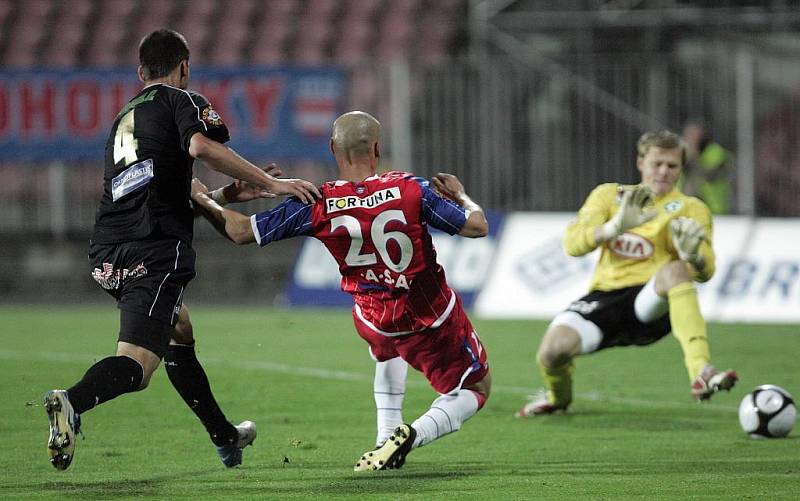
(351, 202)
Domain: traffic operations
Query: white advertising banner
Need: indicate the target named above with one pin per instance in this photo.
(467, 262)
(757, 277)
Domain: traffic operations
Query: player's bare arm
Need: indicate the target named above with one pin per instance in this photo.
(231, 224)
(241, 191)
(449, 186)
(223, 159)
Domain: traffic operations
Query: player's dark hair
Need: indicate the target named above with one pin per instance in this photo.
(162, 51)
(661, 139)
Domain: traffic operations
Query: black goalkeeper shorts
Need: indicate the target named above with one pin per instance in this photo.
(614, 314)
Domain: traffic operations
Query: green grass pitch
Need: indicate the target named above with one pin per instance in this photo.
(306, 379)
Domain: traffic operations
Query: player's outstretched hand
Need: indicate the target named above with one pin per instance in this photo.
(687, 235)
(631, 213)
(242, 191)
(299, 188)
(448, 186)
(198, 187)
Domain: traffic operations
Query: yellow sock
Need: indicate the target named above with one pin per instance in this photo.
(689, 326)
(558, 382)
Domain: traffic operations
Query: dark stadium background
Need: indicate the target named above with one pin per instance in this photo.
(531, 103)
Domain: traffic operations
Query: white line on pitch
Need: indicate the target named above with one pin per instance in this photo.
(314, 372)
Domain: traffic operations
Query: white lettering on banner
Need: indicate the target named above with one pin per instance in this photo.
(369, 202)
(737, 279)
(546, 267)
(742, 278)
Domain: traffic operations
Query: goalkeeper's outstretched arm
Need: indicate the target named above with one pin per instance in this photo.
(595, 224)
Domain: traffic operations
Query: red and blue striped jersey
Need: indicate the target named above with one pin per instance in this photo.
(377, 230)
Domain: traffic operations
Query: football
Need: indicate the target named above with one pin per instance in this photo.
(767, 412)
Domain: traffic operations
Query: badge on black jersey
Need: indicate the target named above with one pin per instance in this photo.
(131, 179)
(211, 117)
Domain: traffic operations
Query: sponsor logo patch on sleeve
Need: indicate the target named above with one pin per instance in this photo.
(211, 117)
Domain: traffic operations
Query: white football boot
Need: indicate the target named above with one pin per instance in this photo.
(65, 424)
(231, 455)
(539, 405)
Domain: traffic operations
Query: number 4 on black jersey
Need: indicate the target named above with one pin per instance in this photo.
(148, 169)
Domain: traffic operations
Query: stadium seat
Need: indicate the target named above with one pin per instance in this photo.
(75, 13)
(107, 36)
(197, 35)
(64, 45)
(286, 8)
(320, 9)
(118, 9)
(363, 88)
(363, 10)
(226, 55)
(406, 7)
(35, 10)
(245, 9)
(22, 49)
(267, 53)
(150, 13)
(6, 8)
(310, 54)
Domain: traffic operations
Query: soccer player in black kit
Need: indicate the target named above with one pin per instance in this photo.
(141, 248)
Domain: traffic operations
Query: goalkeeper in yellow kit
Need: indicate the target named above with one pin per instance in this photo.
(655, 242)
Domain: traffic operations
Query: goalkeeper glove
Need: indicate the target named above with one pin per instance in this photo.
(687, 235)
(631, 212)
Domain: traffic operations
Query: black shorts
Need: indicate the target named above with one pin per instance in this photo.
(147, 278)
(614, 314)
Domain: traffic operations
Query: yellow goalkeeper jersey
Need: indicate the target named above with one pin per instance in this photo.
(635, 256)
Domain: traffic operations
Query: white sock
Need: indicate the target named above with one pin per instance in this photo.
(446, 415)
(389, 390)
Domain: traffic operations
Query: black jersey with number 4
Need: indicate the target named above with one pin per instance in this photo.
(148, 169)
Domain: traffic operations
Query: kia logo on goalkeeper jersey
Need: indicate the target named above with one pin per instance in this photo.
(631, 246)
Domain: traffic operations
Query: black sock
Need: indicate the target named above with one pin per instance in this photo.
(107, 379)
(189, 378)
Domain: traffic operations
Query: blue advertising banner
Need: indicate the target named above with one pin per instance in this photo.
(272, 113)
(467, 264)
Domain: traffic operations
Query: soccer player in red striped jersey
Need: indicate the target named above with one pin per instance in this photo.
(376, 227)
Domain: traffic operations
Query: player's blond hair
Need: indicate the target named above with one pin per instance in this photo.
(661, 139)
(355, 134)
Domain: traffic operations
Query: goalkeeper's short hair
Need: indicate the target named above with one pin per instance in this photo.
(661, 139)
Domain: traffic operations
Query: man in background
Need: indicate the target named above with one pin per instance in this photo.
(709, 170)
